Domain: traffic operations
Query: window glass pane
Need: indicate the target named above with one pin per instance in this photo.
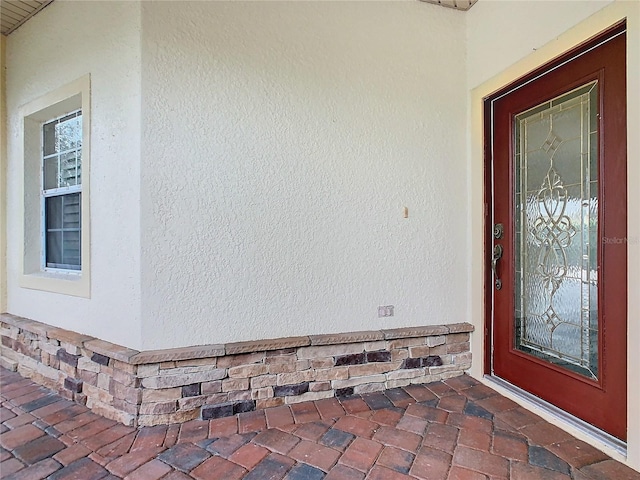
(54, 248)
(63, 231)
(79, 171)
(62, 135)
(53, 212)
(71, 248)
(65, 134)
(68, 169)
(51, 173)
(49, 133)
(79, 132)
(71, 211)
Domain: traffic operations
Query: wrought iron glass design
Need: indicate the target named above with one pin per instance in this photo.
(556, 201)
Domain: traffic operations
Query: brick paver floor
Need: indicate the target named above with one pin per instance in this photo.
(457, 429)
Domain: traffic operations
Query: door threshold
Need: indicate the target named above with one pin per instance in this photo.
(595, 434)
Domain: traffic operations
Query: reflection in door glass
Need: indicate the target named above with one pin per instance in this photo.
(556, 231)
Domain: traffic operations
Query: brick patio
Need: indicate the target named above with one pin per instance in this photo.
(455, 429)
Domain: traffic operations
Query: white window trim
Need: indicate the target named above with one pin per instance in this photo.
(71, 97)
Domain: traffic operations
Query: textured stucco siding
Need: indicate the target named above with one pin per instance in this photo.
(61, 44)
(281, 142)
(499, 33)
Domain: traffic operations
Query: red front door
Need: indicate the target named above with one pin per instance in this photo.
(557, 151)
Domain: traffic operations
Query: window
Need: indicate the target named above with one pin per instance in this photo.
(62, 190)
(56, 239)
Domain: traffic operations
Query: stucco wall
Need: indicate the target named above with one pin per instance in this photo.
(281, 142)
(501, 32)
(62, 43)
(3, 178)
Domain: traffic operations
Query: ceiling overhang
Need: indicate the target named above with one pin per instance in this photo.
(457, 4)
(14, 13)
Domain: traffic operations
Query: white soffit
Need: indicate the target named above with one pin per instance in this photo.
(14, 13)
(457, 4)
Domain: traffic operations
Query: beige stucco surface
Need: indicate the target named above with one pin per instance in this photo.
(3, 178)
(281, 142)
(65, 42)
(251, 165)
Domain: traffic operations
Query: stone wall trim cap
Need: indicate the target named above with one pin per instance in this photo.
(409, 332)
(27, 324)
(173, 354)
(69, 336)
(46, 330)
(111, 350)
(350, 337)
(136, 357)
(460, 327)
(263, 345)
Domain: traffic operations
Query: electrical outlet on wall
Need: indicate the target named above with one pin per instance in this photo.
(385, 311)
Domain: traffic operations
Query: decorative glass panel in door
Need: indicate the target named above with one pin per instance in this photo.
(556, 230)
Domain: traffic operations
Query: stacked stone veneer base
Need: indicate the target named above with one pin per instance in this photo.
(210, 381)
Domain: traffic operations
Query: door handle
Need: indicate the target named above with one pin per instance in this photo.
(497, 255)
